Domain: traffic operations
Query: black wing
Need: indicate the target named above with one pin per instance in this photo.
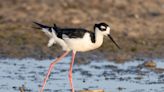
(75, 33)
(70, 32)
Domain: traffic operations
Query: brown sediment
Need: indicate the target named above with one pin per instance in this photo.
(136, 25)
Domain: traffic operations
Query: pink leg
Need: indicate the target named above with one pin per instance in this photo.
(70, 70)
(50, 68)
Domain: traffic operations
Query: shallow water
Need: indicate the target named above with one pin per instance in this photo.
(111, 77)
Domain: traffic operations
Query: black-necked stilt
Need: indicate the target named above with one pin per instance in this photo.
(75, 39)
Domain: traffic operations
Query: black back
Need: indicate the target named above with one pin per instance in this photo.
(75, 33)
(70, 32)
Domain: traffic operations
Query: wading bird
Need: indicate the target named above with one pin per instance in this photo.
(75, 40)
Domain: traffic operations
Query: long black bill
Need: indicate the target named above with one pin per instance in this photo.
(114, 41)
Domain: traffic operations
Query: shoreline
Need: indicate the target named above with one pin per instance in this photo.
(138, 28)
(87, 57)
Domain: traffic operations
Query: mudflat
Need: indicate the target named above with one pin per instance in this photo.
(136, 25)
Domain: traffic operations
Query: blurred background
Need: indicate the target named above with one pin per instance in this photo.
(136, 25)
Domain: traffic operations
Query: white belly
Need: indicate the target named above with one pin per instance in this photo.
(82, 44)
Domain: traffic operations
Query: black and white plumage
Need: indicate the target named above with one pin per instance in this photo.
(76, 39)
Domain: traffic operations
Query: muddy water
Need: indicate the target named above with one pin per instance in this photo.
(111, 77)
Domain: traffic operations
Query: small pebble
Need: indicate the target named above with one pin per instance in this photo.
(150, 64)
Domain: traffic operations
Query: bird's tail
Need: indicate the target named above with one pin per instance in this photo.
(44, 28)
(49, 31)
(41, 26)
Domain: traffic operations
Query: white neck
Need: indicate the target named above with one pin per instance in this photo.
(98, 38)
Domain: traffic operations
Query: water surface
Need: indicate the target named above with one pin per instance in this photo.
(111, 77)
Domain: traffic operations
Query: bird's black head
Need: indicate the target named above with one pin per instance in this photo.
(104, 29)
(101, 26)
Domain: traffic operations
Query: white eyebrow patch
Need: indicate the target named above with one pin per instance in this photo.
(102, 27)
